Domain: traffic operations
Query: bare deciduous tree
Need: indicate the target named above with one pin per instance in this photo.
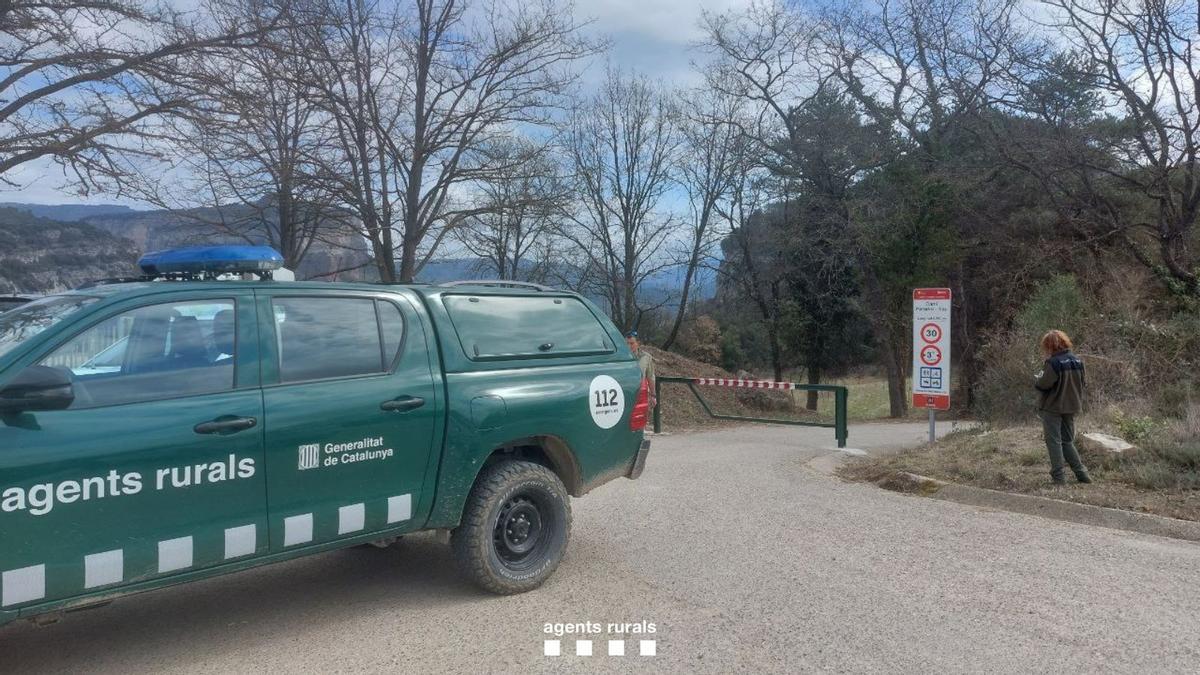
(751, 259)
(83, 83)
(248, 149)
(1137, 181)
(922, 67)
(762, 56)
(712, 152)
(417, 92)
(621, 142)
(514, 233)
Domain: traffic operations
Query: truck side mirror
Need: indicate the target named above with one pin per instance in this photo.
(38, 388)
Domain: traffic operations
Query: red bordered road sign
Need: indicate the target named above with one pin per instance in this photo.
(931, 355)
(931, 333)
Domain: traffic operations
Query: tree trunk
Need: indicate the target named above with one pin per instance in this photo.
(286, 227)
(965, 352)
(814, 377)
(693, 262)
(629, 290)
(384, 256)
(894, 362)
(408, 260)
(683, 300)
(776, 355)
(883, 326)
(387, 274)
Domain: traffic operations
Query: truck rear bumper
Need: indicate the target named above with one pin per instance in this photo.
(639, 461)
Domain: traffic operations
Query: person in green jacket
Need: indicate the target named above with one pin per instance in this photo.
(1061, 383)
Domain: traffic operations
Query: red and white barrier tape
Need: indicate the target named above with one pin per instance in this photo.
(743, 384)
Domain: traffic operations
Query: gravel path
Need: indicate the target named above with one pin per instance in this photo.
(740, 548)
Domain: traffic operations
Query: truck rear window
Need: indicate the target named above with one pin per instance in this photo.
(497, 327)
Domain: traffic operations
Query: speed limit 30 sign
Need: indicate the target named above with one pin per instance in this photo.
(931, 348)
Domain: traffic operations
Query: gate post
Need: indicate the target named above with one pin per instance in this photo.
(839, 396)
(657, 402)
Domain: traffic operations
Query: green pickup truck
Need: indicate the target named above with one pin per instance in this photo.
(238, 423)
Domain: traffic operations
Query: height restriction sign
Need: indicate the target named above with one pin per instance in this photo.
(931, 348)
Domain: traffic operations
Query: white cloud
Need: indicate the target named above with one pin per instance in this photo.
(44, 182)
(650, 36)
(656, 22)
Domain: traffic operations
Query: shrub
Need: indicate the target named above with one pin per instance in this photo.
(700, 339)
(1056, 304)
(1005, 393)
(1173, 399)
(1121, 362)
(1134, 428)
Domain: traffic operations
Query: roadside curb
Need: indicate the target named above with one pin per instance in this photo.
(1056, 509)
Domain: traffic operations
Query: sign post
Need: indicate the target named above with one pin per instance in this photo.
(931, 351)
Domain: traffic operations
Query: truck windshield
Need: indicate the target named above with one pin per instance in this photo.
(20, 324)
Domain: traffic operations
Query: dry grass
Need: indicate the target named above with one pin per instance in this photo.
(1157, 479)
(680, 410)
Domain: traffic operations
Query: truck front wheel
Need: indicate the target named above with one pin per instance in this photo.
(515, 527)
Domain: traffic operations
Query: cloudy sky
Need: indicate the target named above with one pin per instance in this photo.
(652, 36)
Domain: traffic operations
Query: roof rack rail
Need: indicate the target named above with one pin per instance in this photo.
(264, 275)
(114, 280)
(499, 283)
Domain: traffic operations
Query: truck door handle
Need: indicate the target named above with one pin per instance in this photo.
(224, 425)
(402, 404)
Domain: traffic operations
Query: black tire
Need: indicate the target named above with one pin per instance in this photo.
(515, 528)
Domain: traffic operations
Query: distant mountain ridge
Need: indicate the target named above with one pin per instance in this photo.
(664, 286)
(69, 213)
(340, 256)
(39, 255)
(106, 240)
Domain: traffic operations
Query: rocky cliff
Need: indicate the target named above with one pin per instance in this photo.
(39, 255)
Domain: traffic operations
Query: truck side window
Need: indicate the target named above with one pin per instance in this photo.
(151, 353)
(391, 329)
(530, 326)
(320, 338)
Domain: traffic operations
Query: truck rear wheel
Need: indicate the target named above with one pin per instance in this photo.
(515, 528)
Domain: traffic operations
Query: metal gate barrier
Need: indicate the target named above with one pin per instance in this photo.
(839, 397)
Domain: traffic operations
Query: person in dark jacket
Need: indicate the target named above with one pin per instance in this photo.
(1061, 383)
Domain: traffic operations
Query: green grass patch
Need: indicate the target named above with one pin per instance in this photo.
(867, 399)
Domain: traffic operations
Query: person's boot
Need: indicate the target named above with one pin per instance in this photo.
(1083, 477)
(1058, 480)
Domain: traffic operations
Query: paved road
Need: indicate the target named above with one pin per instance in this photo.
(740, 548)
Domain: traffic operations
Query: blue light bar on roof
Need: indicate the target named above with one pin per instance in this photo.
(211, 260)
